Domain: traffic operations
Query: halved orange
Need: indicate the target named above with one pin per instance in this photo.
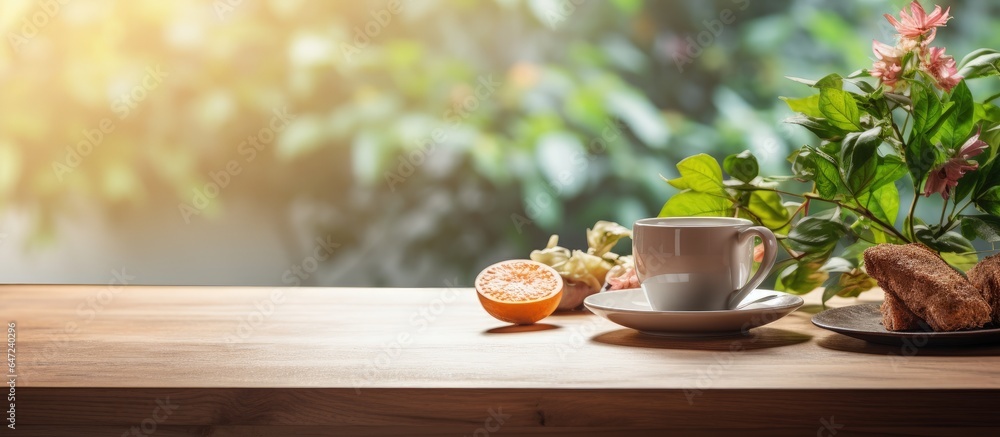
(519, 291)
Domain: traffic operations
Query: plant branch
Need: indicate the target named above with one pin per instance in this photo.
(857, 210)
(944, 212)
(758, 221)
(899, 134)
(953, 218)
(913, 208)
(885, 226)
(791, 217)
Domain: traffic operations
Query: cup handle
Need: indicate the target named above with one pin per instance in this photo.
(770, 253)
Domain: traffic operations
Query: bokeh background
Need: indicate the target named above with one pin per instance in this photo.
(385, 143)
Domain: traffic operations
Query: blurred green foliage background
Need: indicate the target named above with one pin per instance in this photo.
(426, 139)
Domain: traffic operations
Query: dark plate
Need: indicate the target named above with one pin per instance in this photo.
(865, 322)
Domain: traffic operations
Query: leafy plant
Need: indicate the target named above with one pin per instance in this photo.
(911, 116)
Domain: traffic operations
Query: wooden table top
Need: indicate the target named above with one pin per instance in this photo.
(130, 344)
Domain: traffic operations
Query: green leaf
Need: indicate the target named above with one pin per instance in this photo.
(840, 109)
(980, 63)
(899, 98)
(965, 186)
(803, 167)
(890, 169)
(817, 234)
(864, 86)
(957, 125)
(742, 166)
(926, 109)
(832, 80)
(855, 252)
(828, 181)
(986, 227)
(837, 264)
(865, 229)
(947, 108)
(818, 126)
(858, 152)
(947, 242)
(808, 106)
(991, 136)
(700, 173)
(989, 201)
(880, 196)
(989, 177)
(988, 112)
(921, 155)
(849, 284)
(802, 277)
(767, 206)
(961, 261)
(692, 203)
(678, 183)
(831, 290)
(883, 203)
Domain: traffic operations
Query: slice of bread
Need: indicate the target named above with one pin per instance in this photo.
(926, 285)
(986, 277)
(897, 317)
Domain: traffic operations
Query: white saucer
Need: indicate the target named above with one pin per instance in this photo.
(630, 308)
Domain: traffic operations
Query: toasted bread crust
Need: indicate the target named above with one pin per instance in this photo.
(927, 286)
(985, 276)
(897, 317)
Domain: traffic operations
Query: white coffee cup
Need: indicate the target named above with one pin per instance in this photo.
(699, 263)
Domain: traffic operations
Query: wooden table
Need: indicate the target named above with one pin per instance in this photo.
(234, 361)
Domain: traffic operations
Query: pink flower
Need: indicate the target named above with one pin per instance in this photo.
(629, 279)
(942, 68)
(758, 253)
(888, 67)
(917, 22)
(944, 178)
(973, 146)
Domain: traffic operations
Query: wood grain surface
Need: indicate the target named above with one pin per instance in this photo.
(368, 361)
